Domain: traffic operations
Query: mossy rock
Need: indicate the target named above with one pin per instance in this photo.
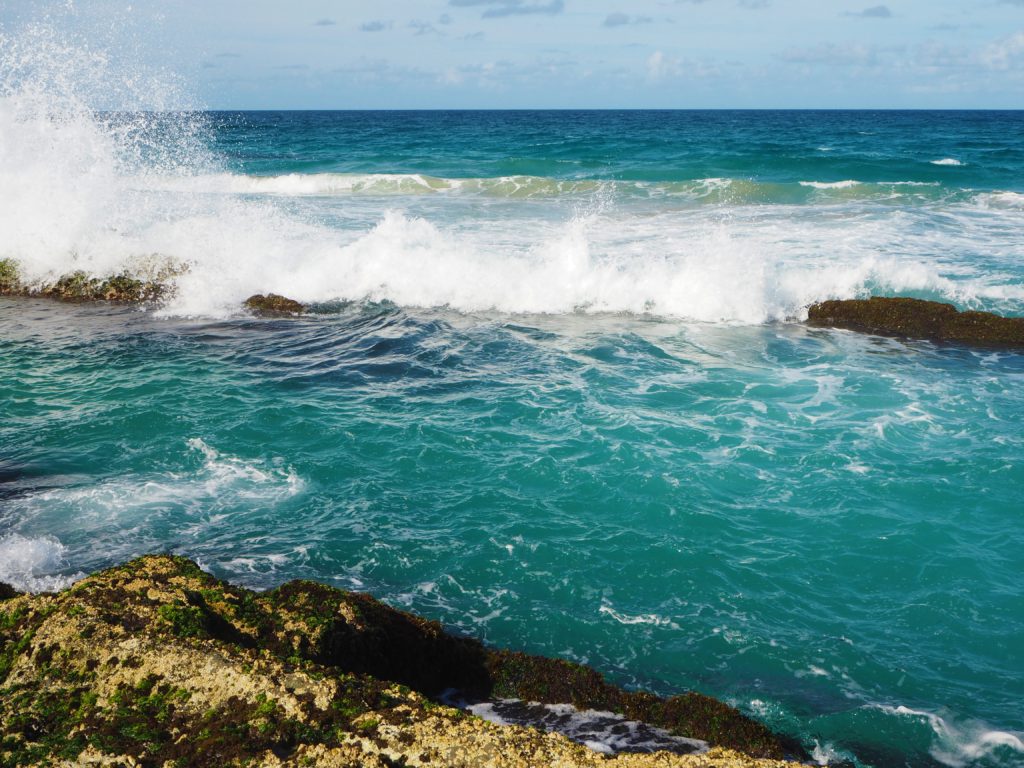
(272, 304)
(119, 288)
(361, 634)
(159, 663)
(10, 282)
(81, 286)
(918, 319)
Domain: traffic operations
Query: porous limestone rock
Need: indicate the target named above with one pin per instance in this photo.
(156, 663)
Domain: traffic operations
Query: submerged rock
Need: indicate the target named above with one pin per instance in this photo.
(918, 319)
(158, 663)
(273, 304)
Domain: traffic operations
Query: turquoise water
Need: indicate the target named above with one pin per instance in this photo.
(819, 527)
(554, 390)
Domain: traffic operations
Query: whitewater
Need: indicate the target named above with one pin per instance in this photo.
(553, 388)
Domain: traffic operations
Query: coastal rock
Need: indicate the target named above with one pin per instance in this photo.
(80, 286)
(273, 304)
(9, 279)
(918, 319)
(158, 663)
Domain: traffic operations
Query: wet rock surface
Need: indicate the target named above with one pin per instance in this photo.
(158, 663)
(918, 319)
(273, 304)
(80, 286)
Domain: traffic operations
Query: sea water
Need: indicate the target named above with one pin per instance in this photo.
(553, 389)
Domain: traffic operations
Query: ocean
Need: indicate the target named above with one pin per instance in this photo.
(553, 389)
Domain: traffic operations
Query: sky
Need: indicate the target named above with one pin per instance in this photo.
(484, 54)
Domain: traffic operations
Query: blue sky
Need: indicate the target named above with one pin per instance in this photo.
(584, 53)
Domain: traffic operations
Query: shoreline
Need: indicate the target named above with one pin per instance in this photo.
(156, 662)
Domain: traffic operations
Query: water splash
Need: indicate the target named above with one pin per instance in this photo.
(33, 564)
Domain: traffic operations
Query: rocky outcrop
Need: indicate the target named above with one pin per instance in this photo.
(158, 663)
(151, 285)
(9, 279)
(272, 304)
(918, 319)
(80, 286)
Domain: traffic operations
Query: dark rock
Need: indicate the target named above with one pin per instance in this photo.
(918, 319)
(7, 591)
(361, 634)
(273, 304)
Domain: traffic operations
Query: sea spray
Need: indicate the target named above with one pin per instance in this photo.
(79, 135)
(145, 192)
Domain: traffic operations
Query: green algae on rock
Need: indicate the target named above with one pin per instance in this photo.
(273, 304)
(918, 319)
(158, 663)
(124, 287)
(9, 280)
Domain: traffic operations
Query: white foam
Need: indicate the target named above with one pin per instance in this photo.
(961, 744)
(947, 161)
(644, 618)
(248, 478)
(827, 754)
(208, 493)
(718, 263)
(830, 184)
(604, 732)
(32, 564)
(997, 200)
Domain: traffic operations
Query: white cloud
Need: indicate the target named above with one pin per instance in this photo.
(832, 54)
(660, 66)
(1004, 54)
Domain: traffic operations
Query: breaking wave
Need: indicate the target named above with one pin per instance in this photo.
(960, 744)
(138, 190)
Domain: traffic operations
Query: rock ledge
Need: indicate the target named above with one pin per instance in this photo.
(918, 319)
(157, 663)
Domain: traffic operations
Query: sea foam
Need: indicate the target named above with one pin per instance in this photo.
(961, 744)
(846, 184)
(34, 564)
(604, 732)
(140, 192)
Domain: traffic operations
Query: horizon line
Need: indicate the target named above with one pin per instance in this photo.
(575, 109)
